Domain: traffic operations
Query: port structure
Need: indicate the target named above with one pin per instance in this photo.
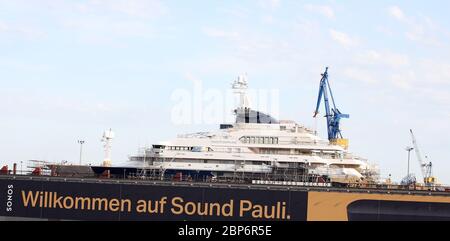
(81, 142)
(409, 179)
(426, 168)
(332, 114)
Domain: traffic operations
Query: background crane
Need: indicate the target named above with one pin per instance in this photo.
(426, 168)
(333, 114)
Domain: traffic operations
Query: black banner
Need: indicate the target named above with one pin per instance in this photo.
(103, 202)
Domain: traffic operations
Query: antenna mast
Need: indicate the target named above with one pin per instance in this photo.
(240, 87)
(107, 138)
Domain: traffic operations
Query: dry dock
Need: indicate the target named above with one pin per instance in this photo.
(58, 198)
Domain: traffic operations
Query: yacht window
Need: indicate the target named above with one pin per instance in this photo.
(276, 140)
(266, 140)
(259, 140)
(253, 140)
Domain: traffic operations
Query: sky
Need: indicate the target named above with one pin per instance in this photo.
(71, 69)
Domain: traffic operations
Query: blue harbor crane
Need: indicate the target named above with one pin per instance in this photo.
(333, 114)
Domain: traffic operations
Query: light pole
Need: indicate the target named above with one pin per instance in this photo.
(409, 149)
(21, 170)
(81, 142)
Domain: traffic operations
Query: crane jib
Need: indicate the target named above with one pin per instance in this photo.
(333, 115)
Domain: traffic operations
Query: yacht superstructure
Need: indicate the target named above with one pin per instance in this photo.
(256, 146)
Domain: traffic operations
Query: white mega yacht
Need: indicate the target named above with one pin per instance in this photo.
(256, 147)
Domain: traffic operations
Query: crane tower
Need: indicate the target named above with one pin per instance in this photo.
(426, 168)
(332, 113)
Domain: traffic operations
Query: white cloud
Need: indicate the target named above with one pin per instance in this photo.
(343, 38)
(24, 102)
(403, 80)
(20, 30)
(254, 47)
(419, 33)
(219, 33)
(236, 12)
(440, 96)
(397, 13)
(387, 58)
(427, 78)
(385, 30)
(420, 29)
(98, 22)
(132, 8)
(97, 30)
(435, 71)
(360, 74)
(272, 4)
(3, 27)
(324, 10)
(103, 26)
(268, 19)
(306, 28)
(394, 59)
